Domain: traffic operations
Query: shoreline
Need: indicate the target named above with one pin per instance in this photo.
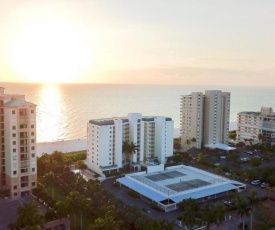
(81, 144)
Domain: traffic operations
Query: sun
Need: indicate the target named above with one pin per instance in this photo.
(50, 51)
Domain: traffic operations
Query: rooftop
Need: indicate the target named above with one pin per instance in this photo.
(178, 183)
(18, 102)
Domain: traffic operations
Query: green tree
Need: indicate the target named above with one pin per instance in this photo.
(254, 202)
(190, 212)
(188, 143)
(242, 208)
(255, 162)
(125, 150)
(29, 216)
(177, 158)
(212, 214)
(80, 165)
(49, 179)
(108, 222)
(177, 144)
(201, 157)
(129, 149)
(233, 134)
(76, 204)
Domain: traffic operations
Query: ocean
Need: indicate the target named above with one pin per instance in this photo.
(64, 110)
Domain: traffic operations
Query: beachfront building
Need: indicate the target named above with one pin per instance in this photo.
(256, 127)
(18, 170)
(153, 137)
(205, 119)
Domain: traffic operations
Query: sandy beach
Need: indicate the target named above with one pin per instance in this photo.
(61, 145)
(81, 144)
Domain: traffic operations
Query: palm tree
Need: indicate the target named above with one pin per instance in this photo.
(207, 214)
(49, 179)
(188, 142)
(29, 216)
(132, 150)
(242, 208)
(253, 202)
(219, 211)
(76, 203)
(190, 212)
(125, 150)
(129, 150)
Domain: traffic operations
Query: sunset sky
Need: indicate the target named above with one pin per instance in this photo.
(198, 42)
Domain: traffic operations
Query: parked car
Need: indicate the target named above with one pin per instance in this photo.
(256, 182)
(229, 203)
(244, 159)
(217, 164)
(228, 174)
(250, 153)
(264, 185)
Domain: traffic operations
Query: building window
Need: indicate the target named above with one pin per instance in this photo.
(15, 187)
(32, 140)
(14, 150)
(14, 172)
(32, 111)
(14, 142)
(13, 127)
(14, 135)
(33, 169)
(33, 154)
(33, 183)
(32, 147)
(24, 170)
(13, 111)
(32, 133)
(32, 126)
(15, 194)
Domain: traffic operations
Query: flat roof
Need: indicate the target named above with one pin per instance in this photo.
(142, 189)
(220, 146)
(178, 183)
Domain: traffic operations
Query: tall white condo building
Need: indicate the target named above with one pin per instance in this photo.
(153, 137)
(205, 119)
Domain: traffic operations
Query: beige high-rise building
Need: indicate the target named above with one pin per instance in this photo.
(257, 127)
(18, 166)
(205, 118)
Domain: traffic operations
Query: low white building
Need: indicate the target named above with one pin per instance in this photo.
(153, 137)
(257, 127)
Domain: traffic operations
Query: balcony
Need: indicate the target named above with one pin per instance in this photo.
(24, 170)
(24, 184)
(23, 135)
(24, 164)
(23, 157)
(23, 120)
(23, 144)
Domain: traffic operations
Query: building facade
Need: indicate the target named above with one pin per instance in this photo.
(18, 169)
(256, 127)
(205, 118)
(153, 137)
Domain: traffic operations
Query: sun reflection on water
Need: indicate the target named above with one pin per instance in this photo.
(51, 114)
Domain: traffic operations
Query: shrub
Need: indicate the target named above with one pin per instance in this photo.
(133, 194)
